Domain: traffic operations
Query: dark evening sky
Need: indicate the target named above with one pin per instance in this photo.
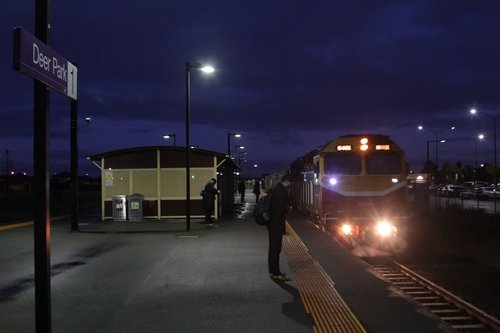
(290, 76)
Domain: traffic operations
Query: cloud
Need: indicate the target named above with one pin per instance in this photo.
(285, 69)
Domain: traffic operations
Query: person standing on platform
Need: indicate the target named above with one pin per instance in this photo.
(256, 190)
(208, 194)
(241, 189)
(279, 207)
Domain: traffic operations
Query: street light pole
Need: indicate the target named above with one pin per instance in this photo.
(206, 69)
(188, 157)
(474, 111)
(168, 136)
(229, 135)
(427, 165)
(236, 151)
(436, 133)
(480, 137)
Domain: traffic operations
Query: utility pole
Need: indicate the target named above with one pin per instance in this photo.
(8, 162)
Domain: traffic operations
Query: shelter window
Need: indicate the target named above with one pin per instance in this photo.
(383, 163)
(343, 163)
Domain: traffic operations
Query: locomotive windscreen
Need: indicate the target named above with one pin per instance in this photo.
(383, 163)
(344, 163)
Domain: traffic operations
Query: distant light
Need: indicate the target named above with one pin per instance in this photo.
(420, 127)
(420, 178)
(333, 181)
(473, 111)
(237, 135)
(207, 69)
(255, 165)
(480, 136)
(394, 180)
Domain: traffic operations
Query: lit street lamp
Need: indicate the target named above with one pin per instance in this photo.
(494, 117)
(436, 133)
(229, 135)
(205, 69)
(168, 136)
(428, 159)
(237, 149)
(241, 157)
(480, 137)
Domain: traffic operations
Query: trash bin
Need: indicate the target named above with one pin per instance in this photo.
(134, 206)
(119, 207)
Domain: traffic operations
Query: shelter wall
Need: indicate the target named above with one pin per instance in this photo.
(160, 176)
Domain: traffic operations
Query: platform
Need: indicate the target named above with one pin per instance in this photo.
(153, 276)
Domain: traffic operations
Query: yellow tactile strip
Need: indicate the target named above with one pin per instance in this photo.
(321, 301)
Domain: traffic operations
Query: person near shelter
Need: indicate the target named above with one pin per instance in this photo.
(209, 192)
(241, 189)
(278, 209)
(256, 190)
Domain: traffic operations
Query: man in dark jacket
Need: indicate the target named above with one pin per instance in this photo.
(280, 204)
(241, 189)
(208, 194)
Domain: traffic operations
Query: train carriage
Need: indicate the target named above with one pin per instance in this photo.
(353, 187)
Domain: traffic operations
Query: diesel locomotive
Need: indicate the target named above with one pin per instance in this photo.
(354, 188)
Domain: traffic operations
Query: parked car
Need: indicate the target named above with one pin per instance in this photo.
(471, 193)
(489, 192)
(434, 188)
(450, 191)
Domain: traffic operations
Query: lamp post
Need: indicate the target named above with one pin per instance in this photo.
(428, 159)
(236, 147)
(241, 157)
(168, 136)
(229, 135)
(494, 117)
(480, 137)
(205, 69)
(436, 134)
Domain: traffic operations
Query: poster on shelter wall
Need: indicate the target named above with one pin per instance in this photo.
(108, 176)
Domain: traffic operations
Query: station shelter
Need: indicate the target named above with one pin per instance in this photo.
(158, 173)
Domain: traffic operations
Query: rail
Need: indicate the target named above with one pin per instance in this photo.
(456, 312)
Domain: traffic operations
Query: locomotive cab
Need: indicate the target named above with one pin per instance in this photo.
(354, 188)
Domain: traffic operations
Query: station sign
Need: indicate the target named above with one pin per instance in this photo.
(37, 60)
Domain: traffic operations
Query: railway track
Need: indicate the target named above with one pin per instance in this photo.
(457, 313)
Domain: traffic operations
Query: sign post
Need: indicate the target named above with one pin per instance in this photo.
(33, 57)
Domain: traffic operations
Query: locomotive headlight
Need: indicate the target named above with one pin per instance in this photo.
(346, 229)
(385, 229)
(329, 180)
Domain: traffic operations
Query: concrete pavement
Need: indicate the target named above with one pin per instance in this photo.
(153, 276)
